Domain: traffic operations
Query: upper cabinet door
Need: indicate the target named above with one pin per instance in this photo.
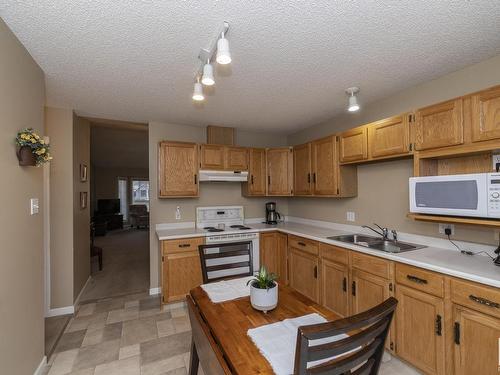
(212, 157)
(325, 166)
(302, 175)
(389, 137)
(257, 172)
(236, 158)
(486, 115)
(439, 125)
(177, 169)
(279, 171)
(354, 145)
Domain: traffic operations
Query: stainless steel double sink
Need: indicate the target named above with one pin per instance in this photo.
(376, 243)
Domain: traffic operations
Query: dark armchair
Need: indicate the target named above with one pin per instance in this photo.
(139, 215)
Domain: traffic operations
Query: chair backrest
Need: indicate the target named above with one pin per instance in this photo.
(359, 353)
(138, 209)
(226, 261)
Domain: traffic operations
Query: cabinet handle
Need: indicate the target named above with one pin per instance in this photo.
(484, 301)
(416, 279)
(315, 272)
(195, 179)
(456, 333)
(181, 245)
(314, 177)
(353, 288)
(438, 325)
(344, 284)
(308, 178)
(269, 180)
(390, 287)
(301, 243)
(251, 179)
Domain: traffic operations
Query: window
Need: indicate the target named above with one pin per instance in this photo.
(140, 192)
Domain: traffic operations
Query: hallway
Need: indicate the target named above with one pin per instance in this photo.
(125, 265)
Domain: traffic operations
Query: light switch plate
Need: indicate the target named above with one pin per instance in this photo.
(178, 213)
(350, 216)
(34, 206)
(442, 227)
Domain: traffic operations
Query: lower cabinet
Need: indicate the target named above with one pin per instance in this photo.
(476, 339)
(273, 253)
(334, 286)
(420, 329)
(303, 273)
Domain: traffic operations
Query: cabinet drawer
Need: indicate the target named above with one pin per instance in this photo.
(182, 245)
(304, 244)
(373, 265)
(334, 253)
(420, 279)
(477, 297)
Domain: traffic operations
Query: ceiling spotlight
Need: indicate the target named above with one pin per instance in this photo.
(223, 54)
(208, 74)
(198, 91)
(353, 105)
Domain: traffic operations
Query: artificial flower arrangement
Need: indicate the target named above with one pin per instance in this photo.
(32, 149)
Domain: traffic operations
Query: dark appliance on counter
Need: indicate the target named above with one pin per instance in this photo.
(272, 216)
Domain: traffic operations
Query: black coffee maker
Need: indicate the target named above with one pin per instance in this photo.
(272, 216)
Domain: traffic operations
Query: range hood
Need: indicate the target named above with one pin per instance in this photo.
(229, 176)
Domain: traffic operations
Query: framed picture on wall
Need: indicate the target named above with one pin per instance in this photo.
(83, 200)
(83, 172)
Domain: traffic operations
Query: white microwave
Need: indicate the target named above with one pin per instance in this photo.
(475, 195)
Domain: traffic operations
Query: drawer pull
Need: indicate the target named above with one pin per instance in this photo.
(301, 243)
(182, 245)
(484, 301)
(416, 279)
(438, 325)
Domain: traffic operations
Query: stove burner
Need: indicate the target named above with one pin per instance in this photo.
(213, 229)
(240, 227)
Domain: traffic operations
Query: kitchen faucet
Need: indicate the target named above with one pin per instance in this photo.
(384, 232)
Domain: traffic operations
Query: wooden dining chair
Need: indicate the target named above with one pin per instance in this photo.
(229, 260)
(358, 354)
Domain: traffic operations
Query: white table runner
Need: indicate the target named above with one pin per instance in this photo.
(227, 290)
(277, 341)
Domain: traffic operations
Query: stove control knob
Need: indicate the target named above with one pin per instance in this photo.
(495, 195)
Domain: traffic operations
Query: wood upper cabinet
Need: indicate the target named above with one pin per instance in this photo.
(279, 171)
(181, 268)
(354, 144)
(212, 157)
(236, 158)
(256, 185)
(486, 115)
(439, 125)
(420, 328)
(325, 168)
(334, 286)
(302, 174)
(273, 253)
(303, 273)
(177, 169)
(476, 342)
(219, 157)
(389, 137)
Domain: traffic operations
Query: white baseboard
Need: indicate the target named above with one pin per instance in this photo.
(41, 366)
(60, 311)
(77, 300)
(154, 291)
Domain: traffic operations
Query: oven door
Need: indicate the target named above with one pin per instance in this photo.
(455, 195)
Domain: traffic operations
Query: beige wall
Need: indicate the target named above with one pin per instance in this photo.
(163, 210)
(22, 97)
(59, 127)
(383, 187)
(81, 217)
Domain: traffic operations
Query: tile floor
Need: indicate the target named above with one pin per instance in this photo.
(133, 335)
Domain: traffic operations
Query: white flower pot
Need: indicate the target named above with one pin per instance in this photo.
(264, 299)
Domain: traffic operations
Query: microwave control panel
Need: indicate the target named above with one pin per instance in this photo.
(494, 195)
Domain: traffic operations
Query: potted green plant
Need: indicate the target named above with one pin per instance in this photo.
(31, 148)
(264, 290)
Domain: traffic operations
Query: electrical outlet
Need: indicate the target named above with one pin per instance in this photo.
(495, 160)
(350, 216)
(178, 213)
(34, 206)
(442, 227)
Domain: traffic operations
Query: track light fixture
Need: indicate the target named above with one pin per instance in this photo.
(208, 74)
(219, 50)
(198, 91)
(353, 105)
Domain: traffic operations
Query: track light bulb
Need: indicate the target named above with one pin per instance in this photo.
(223, 54)
(353, 105)
(198, 92)
(208, 75)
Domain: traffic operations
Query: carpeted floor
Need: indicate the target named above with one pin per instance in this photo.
(125, 265)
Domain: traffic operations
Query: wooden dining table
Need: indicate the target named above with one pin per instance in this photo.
(220, 341)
